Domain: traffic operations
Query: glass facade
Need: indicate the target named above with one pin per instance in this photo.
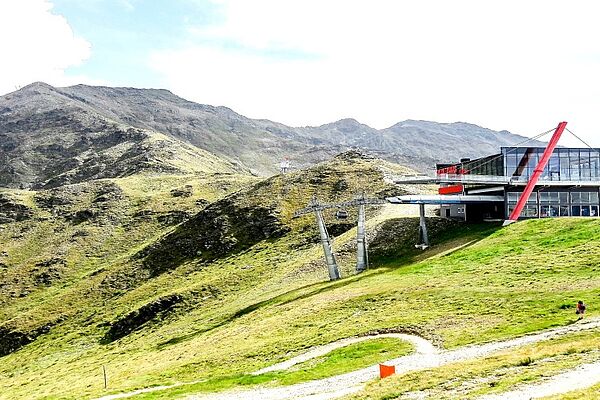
(557, 203)
(565, 164)
(569, 185)
(490, 165)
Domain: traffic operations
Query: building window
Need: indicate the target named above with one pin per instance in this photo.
(574, 164)
(547, 204)
(530, 211)
(549, 211)
(564, 164)
(585, 211)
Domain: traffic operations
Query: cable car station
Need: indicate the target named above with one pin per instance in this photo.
(518, 182)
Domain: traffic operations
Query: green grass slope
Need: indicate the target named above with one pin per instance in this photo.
(218, 314)
(77, 282)
(480, 283)
(494, 374)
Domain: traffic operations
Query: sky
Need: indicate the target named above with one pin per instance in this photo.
(522, 66)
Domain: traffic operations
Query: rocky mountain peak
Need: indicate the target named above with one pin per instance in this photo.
(47, 132)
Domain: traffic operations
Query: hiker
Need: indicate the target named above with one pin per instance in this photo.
(580, 309)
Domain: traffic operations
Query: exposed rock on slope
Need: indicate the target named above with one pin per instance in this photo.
(13, 340)
(49, 138)
(136, 319)
(11, 210)
(221, 228)
(265, 211)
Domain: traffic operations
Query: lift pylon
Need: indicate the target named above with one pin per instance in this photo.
(423, 236)
(362, 257)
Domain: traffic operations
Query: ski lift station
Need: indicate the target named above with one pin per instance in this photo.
(518, 182)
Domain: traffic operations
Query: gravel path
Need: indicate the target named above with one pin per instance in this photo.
(426, 356)
(351, 382)
(582, 377)
(422, 346)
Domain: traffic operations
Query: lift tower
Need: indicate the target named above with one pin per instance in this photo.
(317, 208)
(362, 257)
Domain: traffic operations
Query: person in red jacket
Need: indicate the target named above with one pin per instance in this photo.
(580, 309)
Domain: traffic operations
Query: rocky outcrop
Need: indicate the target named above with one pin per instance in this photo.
(12, 211)
(48, 271)
(12, 340)
(186, 191)
(98, 201)
(136, 319)
(220, 229)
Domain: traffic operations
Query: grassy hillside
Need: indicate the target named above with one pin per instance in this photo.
(493, 374)
(155, 305)
(78, 285)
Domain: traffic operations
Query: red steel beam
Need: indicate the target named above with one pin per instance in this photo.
(537, 172)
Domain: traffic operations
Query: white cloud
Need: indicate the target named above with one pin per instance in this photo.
(512, 65)
(37, 45)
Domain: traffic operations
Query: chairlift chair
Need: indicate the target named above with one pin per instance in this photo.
(341, 214)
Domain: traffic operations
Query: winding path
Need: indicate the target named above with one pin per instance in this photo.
(422, 346)
(337, 386)
(581, 377)
(426, 356)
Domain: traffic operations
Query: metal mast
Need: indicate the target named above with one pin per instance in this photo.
(316, 207)
(334, 272)
(362, 260)
(536, 174)
(423, 237)
(362, 257)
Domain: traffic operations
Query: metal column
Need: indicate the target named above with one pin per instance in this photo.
(362, 261)
(334, 272)
(423, 237)
(536, 174)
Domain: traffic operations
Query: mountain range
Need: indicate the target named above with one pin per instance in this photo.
(150, 256)
(53, 136)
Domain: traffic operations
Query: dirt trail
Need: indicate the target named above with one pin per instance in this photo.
(582, 377)
(422, 346)
(351, 382)
(426, 356)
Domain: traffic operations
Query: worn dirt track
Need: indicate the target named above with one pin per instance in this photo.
(351, 382)
(426, 356)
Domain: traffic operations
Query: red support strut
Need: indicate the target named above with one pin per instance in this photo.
(536, 173)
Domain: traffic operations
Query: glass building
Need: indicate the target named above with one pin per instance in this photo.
(565, 164)
(568, 186)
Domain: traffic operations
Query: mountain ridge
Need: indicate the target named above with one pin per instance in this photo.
(46, 132)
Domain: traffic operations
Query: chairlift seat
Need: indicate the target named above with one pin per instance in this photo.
(341, 214)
